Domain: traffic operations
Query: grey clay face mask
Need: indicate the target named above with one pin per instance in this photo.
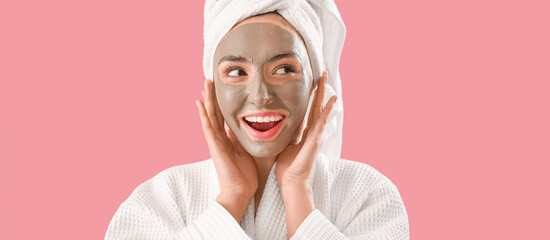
(262, 66)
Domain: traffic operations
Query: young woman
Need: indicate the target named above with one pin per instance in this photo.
(275, 171)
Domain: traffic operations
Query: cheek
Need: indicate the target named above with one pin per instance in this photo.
(296, 98)
(230, 99)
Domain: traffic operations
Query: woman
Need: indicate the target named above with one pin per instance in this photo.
(274, 173)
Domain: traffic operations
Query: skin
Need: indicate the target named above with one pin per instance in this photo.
(248, 77)
(243, 164)
(261, 82)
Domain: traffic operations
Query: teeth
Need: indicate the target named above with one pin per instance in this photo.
(273, 118)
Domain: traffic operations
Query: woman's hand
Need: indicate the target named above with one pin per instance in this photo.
(235, 167)
(295, 163)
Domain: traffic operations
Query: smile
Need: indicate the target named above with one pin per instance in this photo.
(264, 125)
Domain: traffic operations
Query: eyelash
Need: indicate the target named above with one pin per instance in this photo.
(234, 68)
(286, 66)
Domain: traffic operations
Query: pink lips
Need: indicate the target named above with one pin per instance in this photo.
(266, 135)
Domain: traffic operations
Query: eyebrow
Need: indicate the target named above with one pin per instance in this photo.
(233, 58)
(287, 54)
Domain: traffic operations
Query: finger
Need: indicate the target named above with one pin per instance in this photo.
(210, 107)
(319, 126)
(216, 106)
(230, 134)
(206, 125)
(310, 116)
(299, 132)
(219, 163)
(320, 98)
(314, 105)
(234, 140)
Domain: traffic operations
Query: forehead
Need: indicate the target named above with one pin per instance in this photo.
(260, 40)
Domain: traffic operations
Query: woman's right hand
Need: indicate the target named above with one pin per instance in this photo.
(235, 167)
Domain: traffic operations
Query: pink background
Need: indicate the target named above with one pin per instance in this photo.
(449, 100)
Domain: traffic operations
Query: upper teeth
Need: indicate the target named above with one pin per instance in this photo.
(264, 119)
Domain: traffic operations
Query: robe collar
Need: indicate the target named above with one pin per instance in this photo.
(270, 219)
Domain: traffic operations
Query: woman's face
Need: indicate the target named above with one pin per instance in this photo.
(263, 81)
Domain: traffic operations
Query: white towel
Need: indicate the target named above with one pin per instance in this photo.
(320, 25)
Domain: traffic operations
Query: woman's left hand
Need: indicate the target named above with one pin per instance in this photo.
(296, 162)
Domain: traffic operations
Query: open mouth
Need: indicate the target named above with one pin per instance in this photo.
(263, 126)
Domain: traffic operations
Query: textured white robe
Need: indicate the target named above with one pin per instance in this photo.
(352, 200)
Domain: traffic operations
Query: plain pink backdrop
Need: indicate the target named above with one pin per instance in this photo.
(450, 100)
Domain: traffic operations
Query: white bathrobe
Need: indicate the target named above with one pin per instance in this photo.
(352, 201)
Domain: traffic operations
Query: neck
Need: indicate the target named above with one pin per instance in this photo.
(263, 167)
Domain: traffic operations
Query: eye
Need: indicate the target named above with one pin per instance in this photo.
(235, 72)
(284, 69)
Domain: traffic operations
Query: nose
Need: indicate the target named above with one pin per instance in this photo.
(259, 91)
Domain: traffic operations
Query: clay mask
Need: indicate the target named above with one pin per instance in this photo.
(263, 81)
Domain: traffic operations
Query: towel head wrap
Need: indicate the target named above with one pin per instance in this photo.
(320, 25)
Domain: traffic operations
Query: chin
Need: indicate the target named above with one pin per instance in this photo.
(263, 151)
